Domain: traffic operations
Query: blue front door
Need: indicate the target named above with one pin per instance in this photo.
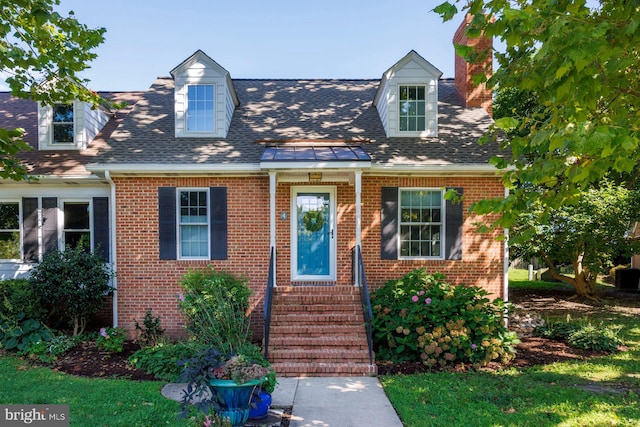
(313, 234)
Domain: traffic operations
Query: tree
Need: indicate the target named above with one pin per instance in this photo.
(73, 283)
(43, 54)
(589, 234)
(582, 64)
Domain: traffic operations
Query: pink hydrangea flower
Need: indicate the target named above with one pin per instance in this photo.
(103, 332)
(427, 301)
(180, 296)
(473, 346)
(414, 298)
(421, 293)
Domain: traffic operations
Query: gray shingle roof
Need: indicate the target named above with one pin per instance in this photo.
(273, 110)
(23, 113)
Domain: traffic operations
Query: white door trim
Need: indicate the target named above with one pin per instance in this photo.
(331, 189)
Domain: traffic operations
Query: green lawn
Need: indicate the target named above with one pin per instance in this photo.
(92, 402)
(599, 392)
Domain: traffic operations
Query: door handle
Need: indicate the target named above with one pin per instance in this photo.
(330, 233)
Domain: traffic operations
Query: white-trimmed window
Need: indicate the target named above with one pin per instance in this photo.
(62, 124)
(412, 111)
(10, 231)
(77, 223)
(200, 108)
(193, 223)
(421, 223)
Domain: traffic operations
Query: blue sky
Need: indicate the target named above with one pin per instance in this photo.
(261, 38)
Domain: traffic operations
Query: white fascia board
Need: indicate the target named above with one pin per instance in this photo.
(55, 180)
(164, 169)
(270, 165)
(437, 169)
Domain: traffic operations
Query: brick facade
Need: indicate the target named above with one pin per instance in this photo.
(145, 281)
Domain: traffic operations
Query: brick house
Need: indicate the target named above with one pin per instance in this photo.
(203, 169)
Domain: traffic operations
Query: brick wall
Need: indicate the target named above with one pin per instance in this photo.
(473, 95)
(145, 281)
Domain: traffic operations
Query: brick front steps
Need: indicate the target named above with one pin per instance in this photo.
(318, 331)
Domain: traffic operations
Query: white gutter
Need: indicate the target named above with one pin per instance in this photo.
(114, 264)
(431, 169)
(164, 169)
(506, 265)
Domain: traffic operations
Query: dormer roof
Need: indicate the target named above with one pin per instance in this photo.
(200, 64)
(406, 60)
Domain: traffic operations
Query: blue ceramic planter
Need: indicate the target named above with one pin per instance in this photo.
(233, 399)
(260, 405)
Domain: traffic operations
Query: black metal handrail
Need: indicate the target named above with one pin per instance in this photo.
(268, 298)
(361, 281)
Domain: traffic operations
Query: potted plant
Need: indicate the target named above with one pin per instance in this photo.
(230, 380)
(261, 398)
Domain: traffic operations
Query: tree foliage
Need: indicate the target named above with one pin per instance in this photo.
(588, 235)
(73, 284)
(43, 53)
(582, 64)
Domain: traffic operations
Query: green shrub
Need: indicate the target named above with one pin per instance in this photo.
(422, 317)
(18, 297)
(161, 360)
(111, 339)
(74, 283)
(150, 332)
(48, 351)
(581, 334)
(215, 305)
(20, 333)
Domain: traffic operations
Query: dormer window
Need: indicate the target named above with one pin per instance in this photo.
(69, 126)
(407, 98)
(204, 96)
(62, 124)
(412, 108)
(200, 108)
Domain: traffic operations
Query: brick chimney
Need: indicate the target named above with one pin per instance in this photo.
(473, 96)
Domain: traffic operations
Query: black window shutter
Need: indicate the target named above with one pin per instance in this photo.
(49, 224)
(453, 223)
(218, 205)
(167, 222)
(389, 223)
(30, 228)
(101, 226)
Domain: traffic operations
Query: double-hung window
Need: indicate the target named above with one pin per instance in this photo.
(77, 224)
(200, 108)
(9, 230)
(412, 114)
(193, 220)
(421, 223)
(62, 124)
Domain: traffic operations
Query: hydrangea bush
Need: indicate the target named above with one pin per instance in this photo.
(422, 317)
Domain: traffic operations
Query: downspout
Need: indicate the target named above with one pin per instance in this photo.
(358, 190)
(506, 266)
(112, 220)
(273, 184)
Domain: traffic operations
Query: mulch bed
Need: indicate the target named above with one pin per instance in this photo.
(87, 360)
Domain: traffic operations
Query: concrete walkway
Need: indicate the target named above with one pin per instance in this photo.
(336, 402)
(327, 401)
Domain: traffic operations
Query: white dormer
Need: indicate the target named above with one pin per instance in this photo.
(69, 126)
(407, 98)
(205, 98)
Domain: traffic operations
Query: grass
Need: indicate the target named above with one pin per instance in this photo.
(92, 402)
(519, 280)
(598, 392)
